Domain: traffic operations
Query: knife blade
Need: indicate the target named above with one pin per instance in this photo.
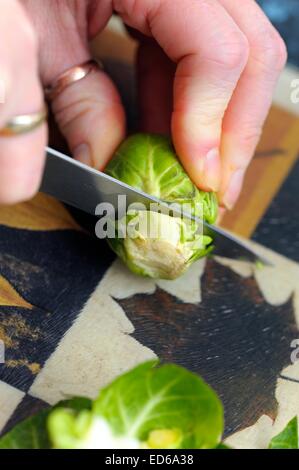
(83, 187)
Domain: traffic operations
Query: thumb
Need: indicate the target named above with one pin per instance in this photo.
(91, 117)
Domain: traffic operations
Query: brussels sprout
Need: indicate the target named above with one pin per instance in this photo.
(148, 162)
(83, 430)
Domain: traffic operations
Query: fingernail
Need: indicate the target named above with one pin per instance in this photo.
(234, 188)
(211, 175)
(82, 153)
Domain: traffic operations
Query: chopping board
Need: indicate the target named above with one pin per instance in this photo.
(72, 317)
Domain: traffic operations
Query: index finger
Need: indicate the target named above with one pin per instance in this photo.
(211, 52)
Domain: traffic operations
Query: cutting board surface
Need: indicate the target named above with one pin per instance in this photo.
(72, 317)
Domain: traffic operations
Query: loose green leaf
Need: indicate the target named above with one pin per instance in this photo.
(166, 397)
(68, 428)
(288, 438)
(76, 404)
(222, 446)
(29, 434)
(32, 433)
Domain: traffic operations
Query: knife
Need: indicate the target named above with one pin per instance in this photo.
(84, 187)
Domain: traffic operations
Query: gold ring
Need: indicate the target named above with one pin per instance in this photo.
(24, 123)
(70, 76)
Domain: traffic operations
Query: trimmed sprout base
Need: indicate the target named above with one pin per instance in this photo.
(166, 256)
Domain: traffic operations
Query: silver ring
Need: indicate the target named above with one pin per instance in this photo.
(24, 123)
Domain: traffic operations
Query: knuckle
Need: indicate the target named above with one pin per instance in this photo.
(280, 51)
(233, 52)
(271, 50)
(140, 12)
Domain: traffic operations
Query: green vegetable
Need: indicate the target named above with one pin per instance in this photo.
(149, 163)
(164, 439)
(168, 397)
(32, 432)
(150, 406)
(288, 438)
(223, 446)
(259, 264)
(29, 434)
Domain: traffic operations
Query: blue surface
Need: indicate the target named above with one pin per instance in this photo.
(284, 14)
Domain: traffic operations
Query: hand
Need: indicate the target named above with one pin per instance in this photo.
(21, 158)
(224, 59)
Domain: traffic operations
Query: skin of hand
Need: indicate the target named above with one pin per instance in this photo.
(206, 73)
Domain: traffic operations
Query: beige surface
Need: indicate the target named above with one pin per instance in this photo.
(10, 397)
